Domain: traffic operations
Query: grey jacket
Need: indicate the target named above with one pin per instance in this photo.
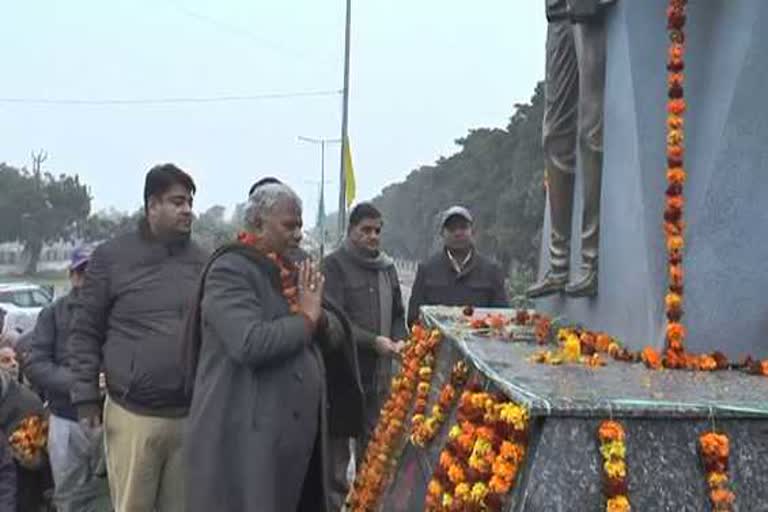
(46, 359)
(256, 431)
(355, 289)
(130, 311)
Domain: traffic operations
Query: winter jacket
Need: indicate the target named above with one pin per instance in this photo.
(46, 359)
(129, 316)
(479, 284)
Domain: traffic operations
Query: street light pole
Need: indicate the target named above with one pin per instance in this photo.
(321, 215)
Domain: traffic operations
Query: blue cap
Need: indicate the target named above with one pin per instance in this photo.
(80, 257)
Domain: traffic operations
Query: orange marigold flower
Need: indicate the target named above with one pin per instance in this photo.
(675, 80)
(675, 151)
(676, 106)
(456, 474)
(764, 367)
(675, 202)
(651, 358)
(499, 485)
(676, 175)
(610, 431)
(675, 332)
(618, 504)
(602, 342)
(721, 497)
(714, 445)
(707, 363)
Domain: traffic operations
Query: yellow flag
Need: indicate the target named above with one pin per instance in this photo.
(349, 175)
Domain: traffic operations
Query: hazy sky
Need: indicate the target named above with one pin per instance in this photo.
(422, 73)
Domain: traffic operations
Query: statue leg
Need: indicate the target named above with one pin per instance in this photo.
(561, 97)
(590, 48)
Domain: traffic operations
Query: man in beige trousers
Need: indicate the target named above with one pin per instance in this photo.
(127, 320)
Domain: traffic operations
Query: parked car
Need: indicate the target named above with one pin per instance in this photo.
(20, 303)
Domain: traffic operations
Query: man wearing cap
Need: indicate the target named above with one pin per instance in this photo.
(74, 453)
(457, 275)
(129, 320)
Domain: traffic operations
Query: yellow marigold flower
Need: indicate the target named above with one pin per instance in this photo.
(479, 492)
(562, 334)
(572, 348)
(614, 450)
(615, 469)
(482, 446)
(618, 503)
(418, 419)
(423, 388)
(717, 479)
(435, 488)
(447, 500)
(462, 491)
(514, 415)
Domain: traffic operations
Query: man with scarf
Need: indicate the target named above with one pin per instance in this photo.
(258, 343)
(363, 281)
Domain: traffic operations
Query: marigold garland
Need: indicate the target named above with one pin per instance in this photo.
(675, 356)
(485, 451)
(288, 272)
(29, 440)
(715, 449)
(380, 456)
(613, 450)
(423, 429)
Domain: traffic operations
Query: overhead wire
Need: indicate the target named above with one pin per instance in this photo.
(170, 100)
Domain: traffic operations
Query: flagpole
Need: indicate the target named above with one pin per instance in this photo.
(342, 220)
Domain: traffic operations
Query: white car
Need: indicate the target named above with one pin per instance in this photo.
(20, 303)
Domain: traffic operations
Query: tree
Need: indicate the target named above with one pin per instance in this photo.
(104, 225)
(212, 229)
(37, 208)
(497, 173)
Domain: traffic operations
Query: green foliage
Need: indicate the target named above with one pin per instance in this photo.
(497, 173)
(37, 208)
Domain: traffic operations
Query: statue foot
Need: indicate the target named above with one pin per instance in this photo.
(585, 286)
(551, 283)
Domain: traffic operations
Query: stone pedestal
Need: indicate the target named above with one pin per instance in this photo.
(664, 413)
(727, 163)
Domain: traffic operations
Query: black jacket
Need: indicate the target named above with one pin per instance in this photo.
(46, 359)
(480, 284)
(129, 316)
(356, 290)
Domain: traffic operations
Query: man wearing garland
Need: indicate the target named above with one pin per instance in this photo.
(259, 342)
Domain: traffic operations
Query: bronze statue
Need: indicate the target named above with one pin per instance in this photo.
(573, 123)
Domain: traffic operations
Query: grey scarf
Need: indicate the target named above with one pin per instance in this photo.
(381, 263)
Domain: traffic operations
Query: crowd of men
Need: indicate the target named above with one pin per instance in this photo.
(245, 380)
